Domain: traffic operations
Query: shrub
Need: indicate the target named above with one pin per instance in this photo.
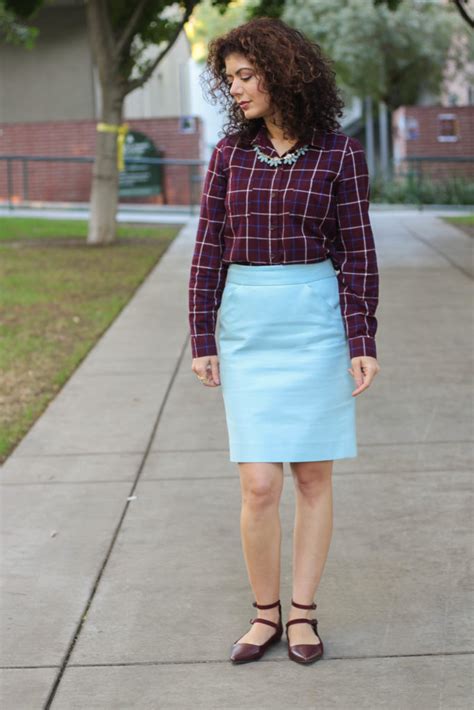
(412, 189)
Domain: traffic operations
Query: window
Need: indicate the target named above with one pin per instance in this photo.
(448, 130)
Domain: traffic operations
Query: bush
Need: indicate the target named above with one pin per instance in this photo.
(411, 189)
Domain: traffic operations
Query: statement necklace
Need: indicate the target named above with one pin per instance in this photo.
(288, 159)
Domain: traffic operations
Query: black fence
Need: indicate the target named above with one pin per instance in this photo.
(26, 178)
(437, 167)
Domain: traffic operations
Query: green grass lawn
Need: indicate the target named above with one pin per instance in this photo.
(57, 296)
(464, 222)
(27, 228)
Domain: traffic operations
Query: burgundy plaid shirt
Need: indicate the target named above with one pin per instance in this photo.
(317, 208)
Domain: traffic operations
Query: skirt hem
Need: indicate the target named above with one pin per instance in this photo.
(258, 456)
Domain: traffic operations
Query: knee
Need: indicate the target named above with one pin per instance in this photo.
(312, 479)
(260, 493)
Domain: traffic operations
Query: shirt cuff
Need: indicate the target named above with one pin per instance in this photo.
(362, 345)
(203, 344)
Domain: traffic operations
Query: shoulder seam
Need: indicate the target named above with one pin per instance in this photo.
(343, 157)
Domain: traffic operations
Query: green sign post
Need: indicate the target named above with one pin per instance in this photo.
(140, 179)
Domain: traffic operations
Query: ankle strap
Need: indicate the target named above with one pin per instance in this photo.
(266, 606)
(304, 606)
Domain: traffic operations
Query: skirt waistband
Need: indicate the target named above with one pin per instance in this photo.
(254, 274)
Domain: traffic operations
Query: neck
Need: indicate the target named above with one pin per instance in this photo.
(274, 127)
(275, 132)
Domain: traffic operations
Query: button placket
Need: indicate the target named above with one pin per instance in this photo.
(275, 253)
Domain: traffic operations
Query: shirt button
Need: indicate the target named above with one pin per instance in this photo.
(274, 194)
(272, 227)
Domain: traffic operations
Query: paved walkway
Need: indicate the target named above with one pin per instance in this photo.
(164, 214)
(124, 580)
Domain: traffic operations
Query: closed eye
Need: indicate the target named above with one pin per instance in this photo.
(246, 78)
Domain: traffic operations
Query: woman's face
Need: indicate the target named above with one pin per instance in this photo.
(243, 84)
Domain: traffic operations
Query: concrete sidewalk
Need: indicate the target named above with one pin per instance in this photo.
(125, 213)
(124, 580)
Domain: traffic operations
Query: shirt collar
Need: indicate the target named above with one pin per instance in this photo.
(263, 141)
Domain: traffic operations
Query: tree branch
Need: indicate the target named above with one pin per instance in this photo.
(463, 13)
(128, 31)
(135, 83)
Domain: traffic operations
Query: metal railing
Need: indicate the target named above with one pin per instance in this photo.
(415, 165)
(420, 168)
(7, 182)
(427, 179)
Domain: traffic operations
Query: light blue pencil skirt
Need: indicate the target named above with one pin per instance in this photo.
(284, 359)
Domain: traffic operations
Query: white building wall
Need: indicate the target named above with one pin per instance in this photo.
(212, 120)
(167, 91)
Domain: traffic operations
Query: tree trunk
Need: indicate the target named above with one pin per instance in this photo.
(369, 136)
(112, 53)
(384, 139)
(105, 176)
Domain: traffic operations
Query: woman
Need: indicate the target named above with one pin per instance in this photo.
(285, 252)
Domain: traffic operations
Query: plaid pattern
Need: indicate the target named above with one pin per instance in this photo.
(317, 208)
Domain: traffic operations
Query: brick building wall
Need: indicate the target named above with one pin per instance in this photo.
(71, 182)
(434, 131)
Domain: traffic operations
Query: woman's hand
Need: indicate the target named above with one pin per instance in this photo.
(363, 370)
(207, 370)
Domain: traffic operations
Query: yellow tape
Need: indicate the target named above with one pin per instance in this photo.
(121, 131)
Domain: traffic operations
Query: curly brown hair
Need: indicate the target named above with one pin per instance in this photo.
(298, 77)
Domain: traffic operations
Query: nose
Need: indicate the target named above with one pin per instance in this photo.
(234, 88)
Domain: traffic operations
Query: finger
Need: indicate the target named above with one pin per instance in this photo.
(359, 377)
(209, 382)
(358, 373)
(215, 372)
(363, 372)
(370, 373)
(360, 389)
(202, 375)
(206, 373)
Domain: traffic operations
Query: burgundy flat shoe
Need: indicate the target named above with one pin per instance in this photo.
(305, 653)
(245, 652)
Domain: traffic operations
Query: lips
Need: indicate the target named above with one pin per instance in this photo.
(244, 104)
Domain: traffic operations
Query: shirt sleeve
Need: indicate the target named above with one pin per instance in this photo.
(354, 252)
(208, 272)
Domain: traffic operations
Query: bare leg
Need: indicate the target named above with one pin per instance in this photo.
(311, 539)
(261, 487)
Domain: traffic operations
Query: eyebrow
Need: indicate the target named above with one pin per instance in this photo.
(239, 70)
